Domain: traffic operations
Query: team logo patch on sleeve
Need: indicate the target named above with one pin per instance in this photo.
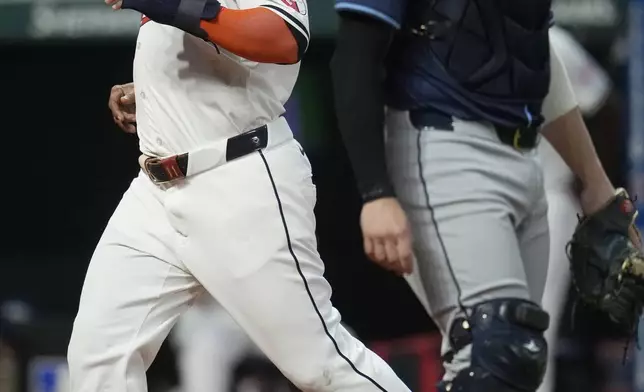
(144, 20)
(297, 5)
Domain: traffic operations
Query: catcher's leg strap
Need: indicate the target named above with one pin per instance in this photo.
(508, 350)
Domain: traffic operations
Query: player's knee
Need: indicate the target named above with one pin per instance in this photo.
(90, 357)
(508, 350)
(97, 363)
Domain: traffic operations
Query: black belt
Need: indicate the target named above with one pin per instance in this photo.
(176, 167)
(522, 138)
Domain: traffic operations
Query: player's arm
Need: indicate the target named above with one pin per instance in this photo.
(566, 131)
(266, 34)
(267, 31)
(365, 33)
(598, 101)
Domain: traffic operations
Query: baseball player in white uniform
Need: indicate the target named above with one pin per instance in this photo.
(591, 86)
(223, 204)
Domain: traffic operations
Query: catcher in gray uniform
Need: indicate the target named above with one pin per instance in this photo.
(469, 87)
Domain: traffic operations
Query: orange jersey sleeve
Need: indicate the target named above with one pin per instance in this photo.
(257, 34)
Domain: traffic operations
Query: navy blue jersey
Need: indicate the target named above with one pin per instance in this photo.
(476, 60)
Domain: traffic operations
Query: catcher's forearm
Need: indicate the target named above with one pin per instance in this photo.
(357, 75)
(565, 128)
(256, 34)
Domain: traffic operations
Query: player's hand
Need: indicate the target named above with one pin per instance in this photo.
(123, 106)
(387, 235)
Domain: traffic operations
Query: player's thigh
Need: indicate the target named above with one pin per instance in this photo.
(466, 260)
(257, 255)
(534, 242)
(251, 243)
(462, 220)
(131, 296)
(288, 315)
(129, 301)
(265, 270)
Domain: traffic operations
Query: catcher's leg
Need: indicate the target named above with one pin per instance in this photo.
(251, 242)
(133, 292)
(465, 195)
(534, 244)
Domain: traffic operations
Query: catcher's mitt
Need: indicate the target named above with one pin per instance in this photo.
(607, 267)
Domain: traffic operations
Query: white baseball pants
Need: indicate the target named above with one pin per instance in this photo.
(243, 231)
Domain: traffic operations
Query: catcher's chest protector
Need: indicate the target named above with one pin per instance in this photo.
(490, 49)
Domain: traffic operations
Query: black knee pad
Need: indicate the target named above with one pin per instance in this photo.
(509, 351)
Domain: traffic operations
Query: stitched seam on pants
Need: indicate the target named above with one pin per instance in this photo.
(306, 283)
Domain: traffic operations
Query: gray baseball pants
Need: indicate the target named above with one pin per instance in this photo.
(478, 214)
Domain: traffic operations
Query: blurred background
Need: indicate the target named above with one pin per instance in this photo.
(65, 166)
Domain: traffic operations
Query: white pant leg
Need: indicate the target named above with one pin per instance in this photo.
(209, 345)
(134, 291)
(250, 240)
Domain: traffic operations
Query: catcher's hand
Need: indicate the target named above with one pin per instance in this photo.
(607, 262)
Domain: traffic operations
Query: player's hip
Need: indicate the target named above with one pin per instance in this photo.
(239, 210)
(160, 138)
(172, 167)
(234, 212)
(522, 141)
(464, 164)
(236, 180)
(451, 149)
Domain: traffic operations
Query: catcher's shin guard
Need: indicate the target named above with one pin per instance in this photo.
(509, 352)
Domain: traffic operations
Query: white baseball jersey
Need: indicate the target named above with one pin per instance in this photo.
(190, 92)
(591, 86)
